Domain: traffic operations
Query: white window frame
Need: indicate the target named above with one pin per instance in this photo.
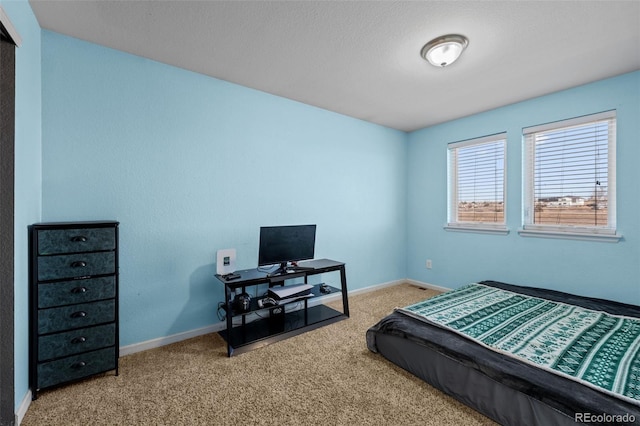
(452, 203)
(577, 232)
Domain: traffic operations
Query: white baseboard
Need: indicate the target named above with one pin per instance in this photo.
(214, 328)
(427, 285)
(376, 287)
(22, 409)
(398, 282)
(174, 338)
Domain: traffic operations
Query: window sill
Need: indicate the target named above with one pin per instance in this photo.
(581, 236)
(477, 229)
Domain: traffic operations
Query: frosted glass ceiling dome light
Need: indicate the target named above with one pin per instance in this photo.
(443, 51)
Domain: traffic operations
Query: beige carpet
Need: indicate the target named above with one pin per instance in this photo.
(323, 377)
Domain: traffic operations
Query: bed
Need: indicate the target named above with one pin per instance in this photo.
(512, 390)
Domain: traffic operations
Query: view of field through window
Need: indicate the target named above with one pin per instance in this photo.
(480, 177)
(571, 175)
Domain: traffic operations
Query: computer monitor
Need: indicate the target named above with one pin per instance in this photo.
(283, 244)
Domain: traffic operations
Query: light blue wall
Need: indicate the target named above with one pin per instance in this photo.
(190, 164)
(28, 176)
(590, 268)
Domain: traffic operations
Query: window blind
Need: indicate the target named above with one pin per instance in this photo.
(477, 180)
(569, 178)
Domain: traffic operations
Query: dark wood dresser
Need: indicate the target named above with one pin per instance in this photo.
(74, 301)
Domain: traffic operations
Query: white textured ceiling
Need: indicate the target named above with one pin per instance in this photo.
(362, 58)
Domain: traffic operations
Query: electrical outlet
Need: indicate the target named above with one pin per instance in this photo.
(429, 264)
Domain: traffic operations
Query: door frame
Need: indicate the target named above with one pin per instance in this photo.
(8, 38)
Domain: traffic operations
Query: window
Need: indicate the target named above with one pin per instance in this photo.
(477, 184)
(569, 178)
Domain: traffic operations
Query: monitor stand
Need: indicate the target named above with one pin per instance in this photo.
(282, 269)
(285, 268)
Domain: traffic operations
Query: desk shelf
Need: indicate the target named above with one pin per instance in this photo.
(270, 327)
(270, 330)
(254, 308)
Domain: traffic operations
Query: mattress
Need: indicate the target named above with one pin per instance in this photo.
(499, 386)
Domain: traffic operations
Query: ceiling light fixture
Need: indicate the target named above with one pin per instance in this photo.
(443, 51)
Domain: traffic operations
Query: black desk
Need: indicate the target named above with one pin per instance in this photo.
(269, 328)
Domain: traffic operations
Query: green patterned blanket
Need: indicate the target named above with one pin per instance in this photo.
(594, 348)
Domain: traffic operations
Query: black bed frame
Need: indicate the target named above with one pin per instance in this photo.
(500, 387)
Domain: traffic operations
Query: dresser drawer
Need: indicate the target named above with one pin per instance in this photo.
(73, 289)
(75, 316)
(76, 291)
(76, 367)
(54, 241)
(72, 342)
(76, 265)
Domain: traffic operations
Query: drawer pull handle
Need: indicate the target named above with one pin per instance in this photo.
(79, 290)
(78, 264)
(79, 314)
(79, 365)
(80, 339)
(79, 239)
